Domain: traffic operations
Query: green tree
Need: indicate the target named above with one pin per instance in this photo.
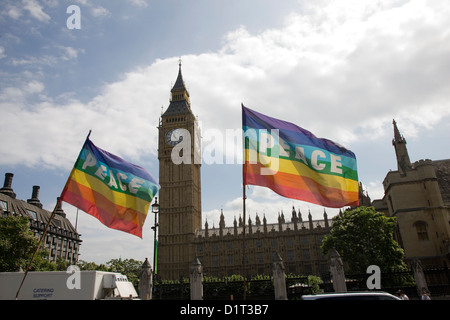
(41, 262)
(17, 243)
(364, 237)
(315, 282)
(128, 267)
(91, 266)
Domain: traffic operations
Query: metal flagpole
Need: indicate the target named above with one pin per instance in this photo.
(244, 197)
(76, 222)
(58, 203)
(243, 246)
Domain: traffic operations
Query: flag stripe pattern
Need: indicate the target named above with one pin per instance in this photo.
(295, 164)
(111, 189)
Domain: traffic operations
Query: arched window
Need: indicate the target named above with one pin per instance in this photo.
(421, 229)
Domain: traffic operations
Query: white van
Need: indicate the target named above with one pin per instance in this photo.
(56, 285)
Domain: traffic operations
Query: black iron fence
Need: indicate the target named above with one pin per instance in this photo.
(261, 288)
(217, 289)
(437, 279)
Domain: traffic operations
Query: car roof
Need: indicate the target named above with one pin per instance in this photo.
(352, 295)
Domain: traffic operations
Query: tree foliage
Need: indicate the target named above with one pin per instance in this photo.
(17, 245)
(315, 282)
(91, 266)
(128, 267)
(364, 237)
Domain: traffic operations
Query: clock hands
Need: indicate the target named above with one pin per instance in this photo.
(174, 136)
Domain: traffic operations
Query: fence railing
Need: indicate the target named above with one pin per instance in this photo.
(438, 280)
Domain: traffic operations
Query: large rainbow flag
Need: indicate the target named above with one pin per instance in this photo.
(295, 164)
(111, 189)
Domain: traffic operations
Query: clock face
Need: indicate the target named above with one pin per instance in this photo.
(174, 136)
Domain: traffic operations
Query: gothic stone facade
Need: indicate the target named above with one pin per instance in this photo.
(181, 238)
(418, 195)
(180, 193)
(221, 250)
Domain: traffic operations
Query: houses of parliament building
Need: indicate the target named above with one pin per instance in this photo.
(417, 194)
(220, 250)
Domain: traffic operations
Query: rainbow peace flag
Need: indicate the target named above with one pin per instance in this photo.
(111, 189)
(295, 164)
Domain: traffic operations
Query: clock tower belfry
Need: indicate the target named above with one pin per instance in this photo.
(180, 193)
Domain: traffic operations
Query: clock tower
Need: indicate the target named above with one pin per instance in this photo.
(179, 177)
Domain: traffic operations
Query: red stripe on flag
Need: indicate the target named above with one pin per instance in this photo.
(300, 188)
(110, 214)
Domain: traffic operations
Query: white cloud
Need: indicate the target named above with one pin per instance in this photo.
(14, 12)
(138, 3)
(96, 10)
(100, 12)
(339, 71)
(34, 87)
(66, 54)
(264, 203)
(69, 53)
(375, 189)
(35, 10)
(2, 52)
(47, 60)
(123, 119)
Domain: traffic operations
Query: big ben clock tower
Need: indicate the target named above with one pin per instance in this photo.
(179, 177)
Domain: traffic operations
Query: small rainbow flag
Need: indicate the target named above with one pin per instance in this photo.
(111, 189)
(295, 164)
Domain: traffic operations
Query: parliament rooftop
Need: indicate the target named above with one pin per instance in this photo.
(62, 239)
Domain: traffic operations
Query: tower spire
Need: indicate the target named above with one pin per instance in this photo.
(397, 136)
(179, 91)
(179, 83)
(179, 97)
(399, 143)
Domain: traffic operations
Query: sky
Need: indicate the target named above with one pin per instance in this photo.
(340, 69)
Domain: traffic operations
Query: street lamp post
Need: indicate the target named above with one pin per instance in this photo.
(155, 210)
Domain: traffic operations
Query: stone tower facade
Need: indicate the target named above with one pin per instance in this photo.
(181, 237)
(179, 177)
(418, 195)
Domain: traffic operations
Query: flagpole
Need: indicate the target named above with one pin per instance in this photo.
(58, 203)
(76, 221)
(244, 197)
(243, 245)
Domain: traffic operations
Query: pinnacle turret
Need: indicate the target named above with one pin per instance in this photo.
(399, 143)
